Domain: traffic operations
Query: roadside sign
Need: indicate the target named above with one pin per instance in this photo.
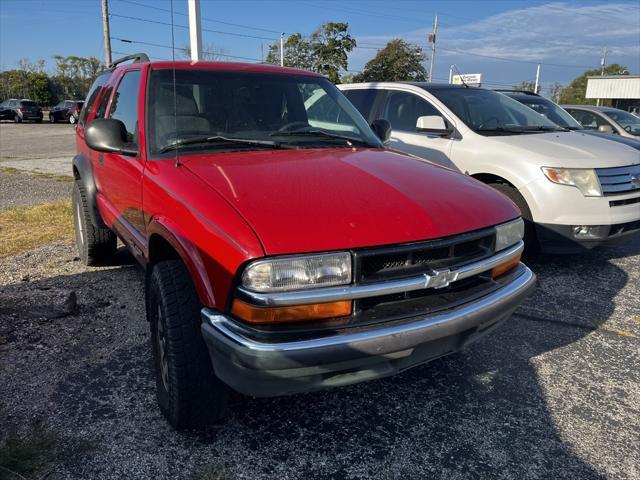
(471, 79)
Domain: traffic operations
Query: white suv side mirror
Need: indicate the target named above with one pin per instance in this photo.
(433, 124)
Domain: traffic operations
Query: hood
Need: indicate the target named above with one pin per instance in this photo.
(571, 150)
(329, 199)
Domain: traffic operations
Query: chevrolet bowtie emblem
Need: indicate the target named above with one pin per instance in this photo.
(440, 278)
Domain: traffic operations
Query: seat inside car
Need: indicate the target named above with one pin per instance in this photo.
(187, 122)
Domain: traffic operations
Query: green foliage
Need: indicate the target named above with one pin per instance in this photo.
(526, 85)
(325, 51)
(72, 79)
(574, 92)
(397, 61)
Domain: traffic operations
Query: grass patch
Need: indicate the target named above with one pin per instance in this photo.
(22, 458)
(49, 176)
(24, 228)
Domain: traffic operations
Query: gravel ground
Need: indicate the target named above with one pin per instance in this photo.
(17, 189)
(554, 393)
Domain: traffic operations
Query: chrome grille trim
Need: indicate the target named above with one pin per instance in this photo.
(619, 180)
(354, 292)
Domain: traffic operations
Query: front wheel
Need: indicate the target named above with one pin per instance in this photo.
(52, 119)
(188, 392)
(17, 119)
(94, 244)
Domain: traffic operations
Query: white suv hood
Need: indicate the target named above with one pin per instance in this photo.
(570, 150)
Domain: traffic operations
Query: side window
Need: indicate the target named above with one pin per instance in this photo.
(588, 119)
(362, 99)
(124, 106)
(102, 104)
(94, 91)
(402, 109)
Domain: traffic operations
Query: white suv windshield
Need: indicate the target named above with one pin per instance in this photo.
(221, 110)
(491, 113)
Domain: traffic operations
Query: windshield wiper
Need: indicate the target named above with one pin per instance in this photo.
(321, 133)
(500, 130)
(219, 139)
(545, 128)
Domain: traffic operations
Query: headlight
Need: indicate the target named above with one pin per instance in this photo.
(509, 234)
(584, 179)
(295, 273)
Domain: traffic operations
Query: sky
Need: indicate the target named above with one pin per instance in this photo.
(502, 39)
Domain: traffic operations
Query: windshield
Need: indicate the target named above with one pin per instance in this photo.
(221, 110)
(629, 122)
(489, 113)
(550, 110)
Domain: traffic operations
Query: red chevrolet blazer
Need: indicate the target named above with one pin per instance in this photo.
(285, 249)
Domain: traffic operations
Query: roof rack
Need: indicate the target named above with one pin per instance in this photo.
(515, 90)
(136, 57)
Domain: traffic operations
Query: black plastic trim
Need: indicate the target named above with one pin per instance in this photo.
(83, 166)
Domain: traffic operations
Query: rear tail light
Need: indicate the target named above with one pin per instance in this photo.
(21, 109)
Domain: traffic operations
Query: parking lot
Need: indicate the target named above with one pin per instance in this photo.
(554, 393)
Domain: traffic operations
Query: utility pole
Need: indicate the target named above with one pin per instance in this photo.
(195, 30)
(432, 41)
(282, 49)
(536, 88)
(603, 59)
(105, 32)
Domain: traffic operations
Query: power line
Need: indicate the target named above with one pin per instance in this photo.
(157, 22)
(203, 18)
(139, 42)
(531, 62)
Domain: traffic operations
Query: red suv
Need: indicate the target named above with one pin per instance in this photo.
(286, 250)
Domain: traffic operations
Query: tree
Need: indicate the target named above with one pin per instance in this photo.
(526, 85)
(555, 90)
(209, 52)
(397, 61)
(74, 75)
(298, 53)
(330, 44)
(324, 52)
(575, 92)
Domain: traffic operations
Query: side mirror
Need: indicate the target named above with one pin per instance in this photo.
(108, 135)
(382, 129)
(605, 129)
(433, 124)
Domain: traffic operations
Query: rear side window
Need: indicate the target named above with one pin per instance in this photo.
(362, 99)
(124, 105)
(402, 110)
(94, 92)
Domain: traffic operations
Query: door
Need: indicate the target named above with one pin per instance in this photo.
(119, 177)
(402, 109)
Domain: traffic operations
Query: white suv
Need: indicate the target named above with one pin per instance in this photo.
(574, 190)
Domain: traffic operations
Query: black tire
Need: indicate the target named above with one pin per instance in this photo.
(188, 392)
(94, 244)
(17, 119)
(530, 238)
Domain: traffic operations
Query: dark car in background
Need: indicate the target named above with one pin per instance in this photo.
(20, 110)
(66, 111)
(562, 118)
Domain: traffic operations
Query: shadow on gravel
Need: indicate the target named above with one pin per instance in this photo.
(479, 414)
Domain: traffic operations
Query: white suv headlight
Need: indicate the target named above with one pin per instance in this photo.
(509, 234)
(296, 273)
(584, 179)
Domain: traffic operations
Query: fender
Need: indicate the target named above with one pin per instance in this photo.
(82, 165)
(188, 252)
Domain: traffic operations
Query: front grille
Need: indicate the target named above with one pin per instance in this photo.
(385, 263)
(619, 180)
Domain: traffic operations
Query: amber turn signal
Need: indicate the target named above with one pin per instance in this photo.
(265, 315)
(505, 267)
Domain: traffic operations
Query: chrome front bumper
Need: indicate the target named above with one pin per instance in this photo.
(344, 357)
